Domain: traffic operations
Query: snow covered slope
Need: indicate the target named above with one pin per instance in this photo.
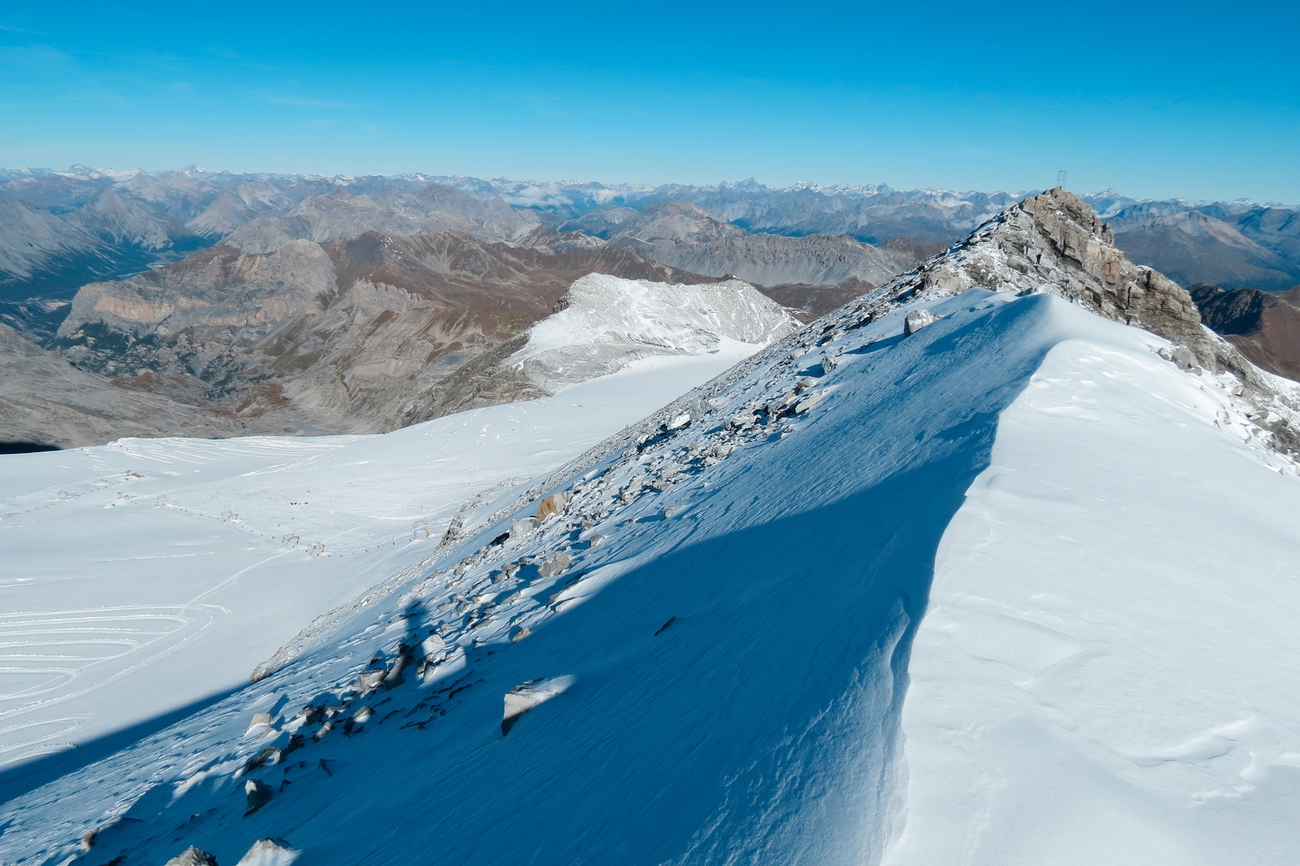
(1107, 671)
(150, 575)
(608, 322)
(693, 643)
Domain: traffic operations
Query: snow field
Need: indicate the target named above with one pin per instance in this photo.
(734, 649)
(701, 633)
(1107, 670)
(149, 575)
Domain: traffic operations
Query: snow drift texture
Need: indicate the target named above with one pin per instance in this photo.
(730, 592)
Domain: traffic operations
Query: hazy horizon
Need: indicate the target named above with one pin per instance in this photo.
(1156, 100)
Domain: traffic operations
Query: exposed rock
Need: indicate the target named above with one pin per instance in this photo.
(685, 236)
(916, 320)
(522, 526)
(807, 302)
(363, 335)
(269, 852)
(1191, 246)
(554, 565)
(193, 856)
(46, 401)
(552, 505)
(256, 794)
(1054, 242)
(528, 695)
(357, 720)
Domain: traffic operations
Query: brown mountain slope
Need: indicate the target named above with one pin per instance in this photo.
(1265, 326)
(358, 336)
(46, 401)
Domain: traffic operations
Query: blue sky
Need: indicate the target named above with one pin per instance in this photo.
(1154, 99)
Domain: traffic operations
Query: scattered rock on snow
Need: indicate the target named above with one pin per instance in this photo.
(596, 540)
(193, 856)
(807, 402)
(1184, 358)
(359, 718)
(916, 320)
(520, 527)
(269, 852)
(256, 795)
(553, 504)
(554, 565)
(529, 694)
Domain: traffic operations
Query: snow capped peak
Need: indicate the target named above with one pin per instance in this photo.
(607, 323)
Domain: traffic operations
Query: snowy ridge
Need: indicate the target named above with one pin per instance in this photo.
(268, 532)
(659, 582)
(693, 643)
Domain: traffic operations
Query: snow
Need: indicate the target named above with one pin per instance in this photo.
(1074, 551)
(1107, 670)
(609, 322)
(150, 575)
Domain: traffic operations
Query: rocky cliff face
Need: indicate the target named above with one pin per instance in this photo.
(1056, 243)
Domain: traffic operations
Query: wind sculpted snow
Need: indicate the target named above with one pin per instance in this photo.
(741, 578)
(150, 575)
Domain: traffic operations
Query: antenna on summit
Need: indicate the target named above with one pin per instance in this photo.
(1060, 178)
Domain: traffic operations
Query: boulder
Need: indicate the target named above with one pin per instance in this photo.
(260, 723)
(256, 794)
(528, 695)
(269, 852)
(522, 526)
(554, 565)
(193, 856)
(551, 505)
(916, 320)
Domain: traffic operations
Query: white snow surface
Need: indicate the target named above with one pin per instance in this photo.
(609, 322)
(148, 575)
(1106, 671)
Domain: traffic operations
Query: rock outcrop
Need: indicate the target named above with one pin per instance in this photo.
(1055, 243)
(45, 401)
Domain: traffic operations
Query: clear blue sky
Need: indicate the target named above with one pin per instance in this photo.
(1155, 99)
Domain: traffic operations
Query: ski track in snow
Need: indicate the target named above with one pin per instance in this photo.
(275, 529)
(720, 629)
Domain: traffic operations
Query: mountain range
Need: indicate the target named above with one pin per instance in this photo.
(993, 564)
(288, 303)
